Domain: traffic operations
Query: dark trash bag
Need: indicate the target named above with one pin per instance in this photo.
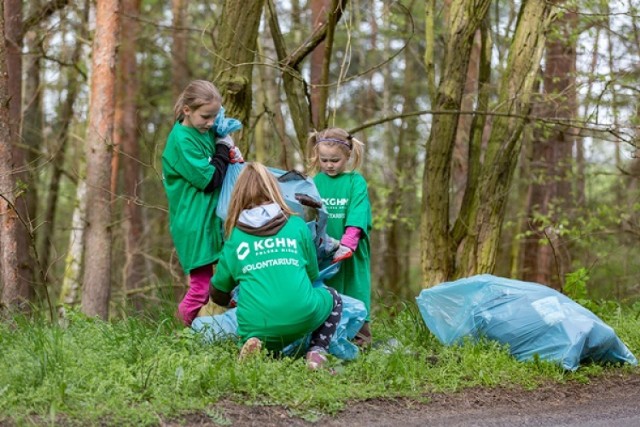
(531, 318)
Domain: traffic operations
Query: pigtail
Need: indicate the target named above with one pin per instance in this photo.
(178, 114)
(313, 165)
(357, 151)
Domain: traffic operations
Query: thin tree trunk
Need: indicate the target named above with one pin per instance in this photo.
(553, 159)
(13, 43)
(65, 119)
(126, 136)
(401, 200)
(318, 74)
(292, 82)
(11, 296)
(179, 63)
(97, 252)
(33, 140)
(71, 279)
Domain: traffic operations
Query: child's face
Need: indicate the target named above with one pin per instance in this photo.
(201, 118)
(333, 160)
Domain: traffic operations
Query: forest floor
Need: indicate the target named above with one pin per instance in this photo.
(610, 399)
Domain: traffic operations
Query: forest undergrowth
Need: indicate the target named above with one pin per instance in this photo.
(146, 368)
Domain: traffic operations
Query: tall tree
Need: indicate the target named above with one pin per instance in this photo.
(465, 18)
(400, 203)
(236, 50)
(13, 41)
(485, 215)
(126, 137)
(179, 49)
(8, 216)
(470, 246)
(97, 253)
(73, 80)
(320, 61)
(552, 158)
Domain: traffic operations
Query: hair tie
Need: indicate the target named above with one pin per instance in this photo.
(339, 141)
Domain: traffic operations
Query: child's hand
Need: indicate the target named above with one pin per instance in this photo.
(235, 155)
(225, 140)
(342, 253)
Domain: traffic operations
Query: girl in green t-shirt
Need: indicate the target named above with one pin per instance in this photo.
(194, 163)
(344, 195)
(269, 253)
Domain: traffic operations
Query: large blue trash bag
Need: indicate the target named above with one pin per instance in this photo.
(225, 325)
(302, 197)
(534, 320)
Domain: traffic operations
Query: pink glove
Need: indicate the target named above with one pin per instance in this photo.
(235, 156)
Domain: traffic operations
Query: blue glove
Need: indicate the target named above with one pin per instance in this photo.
(223, 126)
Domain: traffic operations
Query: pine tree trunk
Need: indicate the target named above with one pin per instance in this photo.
(11, 296)
(553, 159)
(97, 252)
(126, 135)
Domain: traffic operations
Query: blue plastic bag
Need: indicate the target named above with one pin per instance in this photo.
(225, 325)
(223, 126)
(530, 318)
(302, 197)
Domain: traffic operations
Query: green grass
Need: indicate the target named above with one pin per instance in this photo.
(139, 371)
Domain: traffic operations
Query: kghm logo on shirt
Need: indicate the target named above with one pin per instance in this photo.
(266, 246)
(336, 201)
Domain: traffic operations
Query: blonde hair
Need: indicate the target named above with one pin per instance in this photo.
(255, 186)
(195, 95)
(334, 137)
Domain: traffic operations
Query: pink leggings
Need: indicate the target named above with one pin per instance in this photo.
(198, 294)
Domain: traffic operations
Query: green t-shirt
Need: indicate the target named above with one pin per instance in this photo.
(346, 200)
(276, 300)
(186, 171)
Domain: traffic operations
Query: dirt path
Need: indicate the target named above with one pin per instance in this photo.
(611, 400)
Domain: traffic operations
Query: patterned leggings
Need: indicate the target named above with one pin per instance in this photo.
(321, 337)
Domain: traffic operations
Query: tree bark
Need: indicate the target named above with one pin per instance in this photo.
(552, 160)
(97, 252)
(293, 82)
(126, 137)
(478, 254)
(179, 64)
(11, 296)
(233, 63)
(32, 127)
(13, 43)
(437, 249)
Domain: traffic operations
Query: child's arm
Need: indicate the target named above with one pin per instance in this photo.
(222, 283)
(348, 244)
(220, 161)
(351, 237)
